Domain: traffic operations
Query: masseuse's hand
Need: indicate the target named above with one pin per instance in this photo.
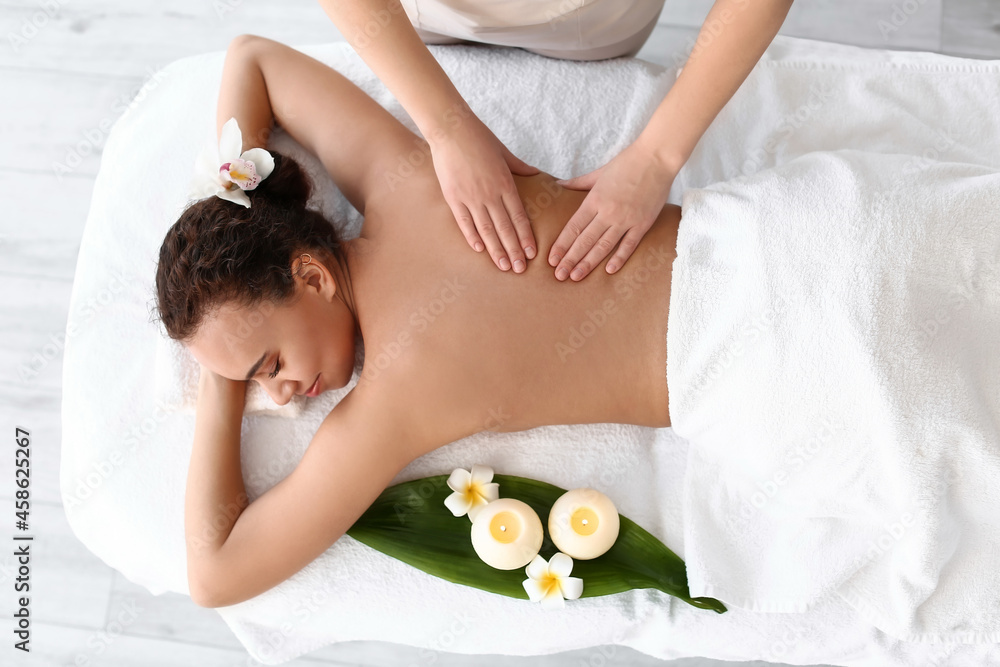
(474, 169)
(625, 197)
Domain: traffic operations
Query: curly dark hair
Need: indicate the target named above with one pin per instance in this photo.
(219, 251)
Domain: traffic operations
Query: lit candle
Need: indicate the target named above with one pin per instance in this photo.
(583, 523)
(507, 534)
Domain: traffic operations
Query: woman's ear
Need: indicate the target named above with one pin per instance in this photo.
(316, 275)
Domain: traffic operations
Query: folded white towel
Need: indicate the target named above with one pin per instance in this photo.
(834, 362)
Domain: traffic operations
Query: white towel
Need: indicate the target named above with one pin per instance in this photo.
(124, 460)
(834, 362)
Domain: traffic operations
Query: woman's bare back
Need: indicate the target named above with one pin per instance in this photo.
(474, 348)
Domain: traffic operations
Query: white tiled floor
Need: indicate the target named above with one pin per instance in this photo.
(68, 71)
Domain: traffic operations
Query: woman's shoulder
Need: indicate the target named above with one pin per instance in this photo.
(409, 395)
(401, 196)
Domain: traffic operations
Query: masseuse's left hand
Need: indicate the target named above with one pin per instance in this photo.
(628, 193)
(625, 197)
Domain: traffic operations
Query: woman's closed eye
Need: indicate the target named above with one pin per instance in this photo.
(277, 367)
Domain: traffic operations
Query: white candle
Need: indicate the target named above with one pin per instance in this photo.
(583, 523)
(507, 534)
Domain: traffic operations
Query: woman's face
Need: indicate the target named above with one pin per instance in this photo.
(311, 337)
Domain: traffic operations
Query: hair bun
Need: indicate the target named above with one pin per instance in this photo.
(219, 251)
(287, 182)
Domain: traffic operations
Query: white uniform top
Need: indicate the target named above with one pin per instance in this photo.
(541, 24)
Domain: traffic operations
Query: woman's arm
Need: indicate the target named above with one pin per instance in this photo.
(236, 551)
(628, 193)
(214, 496)
(358, 141)
(473, 167)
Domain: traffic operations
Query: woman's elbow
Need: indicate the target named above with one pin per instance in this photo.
(200, 595)
(245, 43)
(202, 601)
(203, 590)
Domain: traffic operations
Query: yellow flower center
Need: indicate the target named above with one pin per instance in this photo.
(475, 494)
(549, 582)
(239, 175)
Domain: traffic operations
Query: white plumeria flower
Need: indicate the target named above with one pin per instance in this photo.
(472, 490)
(226, 172)
(550, 583)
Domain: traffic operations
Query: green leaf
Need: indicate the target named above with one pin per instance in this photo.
(410, 522)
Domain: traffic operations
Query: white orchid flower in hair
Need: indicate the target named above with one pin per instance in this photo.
(226, 172)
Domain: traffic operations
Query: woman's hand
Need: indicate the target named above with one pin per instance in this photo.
(625, 197)
(474, 169)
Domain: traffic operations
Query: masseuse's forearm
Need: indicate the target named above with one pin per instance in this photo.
(382, 35)
(215, 496)
(731, 41)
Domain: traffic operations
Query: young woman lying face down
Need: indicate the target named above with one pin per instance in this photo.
(453, 346)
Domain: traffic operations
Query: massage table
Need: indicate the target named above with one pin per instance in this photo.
(128, 392)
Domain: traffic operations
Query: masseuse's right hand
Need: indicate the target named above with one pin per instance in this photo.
(474, 169)
(472, 166)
